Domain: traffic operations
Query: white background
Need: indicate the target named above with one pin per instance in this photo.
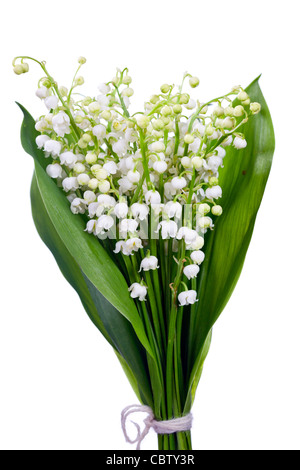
(61, 385)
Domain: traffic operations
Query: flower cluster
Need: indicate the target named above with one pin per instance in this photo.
(149, 180)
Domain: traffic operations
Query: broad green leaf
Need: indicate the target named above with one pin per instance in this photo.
(28, 136)
(197, 374)
(65, 261)
(123, 336)
(243, 180)
(107, 319)
(86, 250)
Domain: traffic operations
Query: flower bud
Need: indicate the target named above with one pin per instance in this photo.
(166, 110)
(93, 184)
(83, 179)
(217, 210)
(128, 92)
(81, 60)
(79, 81)
(87, 138)
(246, 102)
(127, 80)
(116, 125)
(94, 107)
(82, 144)
(18, 69)
(218, 111)
(205, 223)
(78, 119)
(197, 162)
(86, 101)
(255, 108)
(88, 196)
(210, 130)
(142, 120)
(194, 82)
(189, 138)
(228, 123)
(100, 173)
(79, 168)
(186, 162)
(62, 90)
(25, 67)
(204, 209)
(104, 186)
(184, 98)
(213, 181)
(238, 111)
(165, 88)
(229, 111)
(177, 108)
(154, 99)
(158, 124)
(106, 115)
(242, 96)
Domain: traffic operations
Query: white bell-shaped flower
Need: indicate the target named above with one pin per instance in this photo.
(139, 211)
(70, 184)
(149, 263)
(121, 210)
(173, 209)
(191, 271)
(128, 226)
(54, 170)
(189, 235)
(197, 257)
(104, 223)
(187, 297)
(51, 102)
(160, 166)
(61, 124)
(179, 182)
(41, 140)
(110, 167)
(239, 143)
(138, 291)
(68, 158)
(168, 229)
(196, 244)
(215, 192)
(52, 147)
(152, 197)
(78, 206)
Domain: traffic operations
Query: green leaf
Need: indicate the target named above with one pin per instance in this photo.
(197, 374)
(86, 250)
(65, 261)
(28, 136)
(243, 180)
(106, 318)
(126, 342)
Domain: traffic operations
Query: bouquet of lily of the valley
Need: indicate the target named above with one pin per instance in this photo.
(149, 216)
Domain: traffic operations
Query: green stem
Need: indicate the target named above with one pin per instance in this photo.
(145, 161)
